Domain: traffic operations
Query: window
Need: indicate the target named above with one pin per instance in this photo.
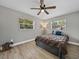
(59, 24)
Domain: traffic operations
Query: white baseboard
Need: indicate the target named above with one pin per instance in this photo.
(73, 43)
(19, 43)
(22, 42)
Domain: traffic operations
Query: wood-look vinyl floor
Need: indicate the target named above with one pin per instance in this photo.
(31, 51)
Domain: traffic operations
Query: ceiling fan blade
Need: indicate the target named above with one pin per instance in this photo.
(35, 8)
(46, 11)
(50, 7)
(42, 2)
(39, 12)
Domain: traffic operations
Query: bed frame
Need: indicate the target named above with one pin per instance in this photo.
(54, 50)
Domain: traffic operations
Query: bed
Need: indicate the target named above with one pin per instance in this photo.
(55, 44)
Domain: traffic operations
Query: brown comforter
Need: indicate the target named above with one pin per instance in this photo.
(54, 41)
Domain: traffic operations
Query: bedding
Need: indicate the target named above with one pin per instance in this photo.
(54, 41)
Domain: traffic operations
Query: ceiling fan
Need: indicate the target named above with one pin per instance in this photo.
(43, 7)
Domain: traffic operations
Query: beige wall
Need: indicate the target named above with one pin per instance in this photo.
(73, 26)
(9, 26)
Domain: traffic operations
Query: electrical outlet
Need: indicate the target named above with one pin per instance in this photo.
(11, 40)
(0, 48)
(2, 41)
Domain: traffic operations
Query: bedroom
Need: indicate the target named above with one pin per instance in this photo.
(12, 10)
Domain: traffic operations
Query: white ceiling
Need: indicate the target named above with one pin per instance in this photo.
(63, 7)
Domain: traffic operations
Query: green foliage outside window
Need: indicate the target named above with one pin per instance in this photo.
(25, 24)
(58, 23)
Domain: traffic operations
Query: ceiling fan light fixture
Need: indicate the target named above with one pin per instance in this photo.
(42, 10)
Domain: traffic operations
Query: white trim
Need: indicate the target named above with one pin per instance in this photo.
(22, 42)
(73, 43)
(19, 43)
